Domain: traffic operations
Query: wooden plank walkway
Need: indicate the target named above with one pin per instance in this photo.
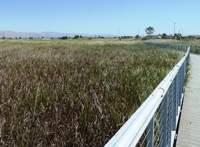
(189, 129)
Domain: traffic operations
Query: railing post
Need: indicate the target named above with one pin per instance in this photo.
(164, 118)
(182, 78)
(169, 122)
(173, 105)
(176, 93)
(179, 87)
(150, 135)
(185, 66)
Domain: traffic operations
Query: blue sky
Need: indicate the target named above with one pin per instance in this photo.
(100, 16)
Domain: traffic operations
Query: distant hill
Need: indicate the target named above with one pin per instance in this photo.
(13, 34)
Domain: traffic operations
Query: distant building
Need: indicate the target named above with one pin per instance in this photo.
(196, 36)
(169, 36)
(156, 36)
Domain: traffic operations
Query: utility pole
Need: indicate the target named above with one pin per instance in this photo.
(182, 31)
(138, 31)
(174, 29)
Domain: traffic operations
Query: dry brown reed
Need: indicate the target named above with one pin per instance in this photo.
(57, 93)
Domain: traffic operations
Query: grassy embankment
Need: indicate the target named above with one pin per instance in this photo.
(74, 93)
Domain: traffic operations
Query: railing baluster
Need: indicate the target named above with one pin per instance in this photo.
(150, 136)
(176, 94)
(182, 79)
(164, 118)
(169, 129)
(179, 87)
(173, 105)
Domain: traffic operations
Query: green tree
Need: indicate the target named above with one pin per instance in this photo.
(177, 36)
(149, 30)
(64, 37)
(137, 37)
(164, 36)
(76, 37)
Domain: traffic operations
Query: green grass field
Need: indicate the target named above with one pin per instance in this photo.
(74, 92)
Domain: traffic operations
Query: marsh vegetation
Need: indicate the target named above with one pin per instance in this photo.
(74, 93)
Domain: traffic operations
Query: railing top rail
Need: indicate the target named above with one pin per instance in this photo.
(130, 133)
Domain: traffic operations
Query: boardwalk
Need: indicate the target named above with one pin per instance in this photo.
(189, 130)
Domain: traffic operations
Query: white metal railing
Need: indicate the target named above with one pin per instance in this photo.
(194, 48)
(156, 120)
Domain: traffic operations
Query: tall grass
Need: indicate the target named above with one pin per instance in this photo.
(74, 94)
